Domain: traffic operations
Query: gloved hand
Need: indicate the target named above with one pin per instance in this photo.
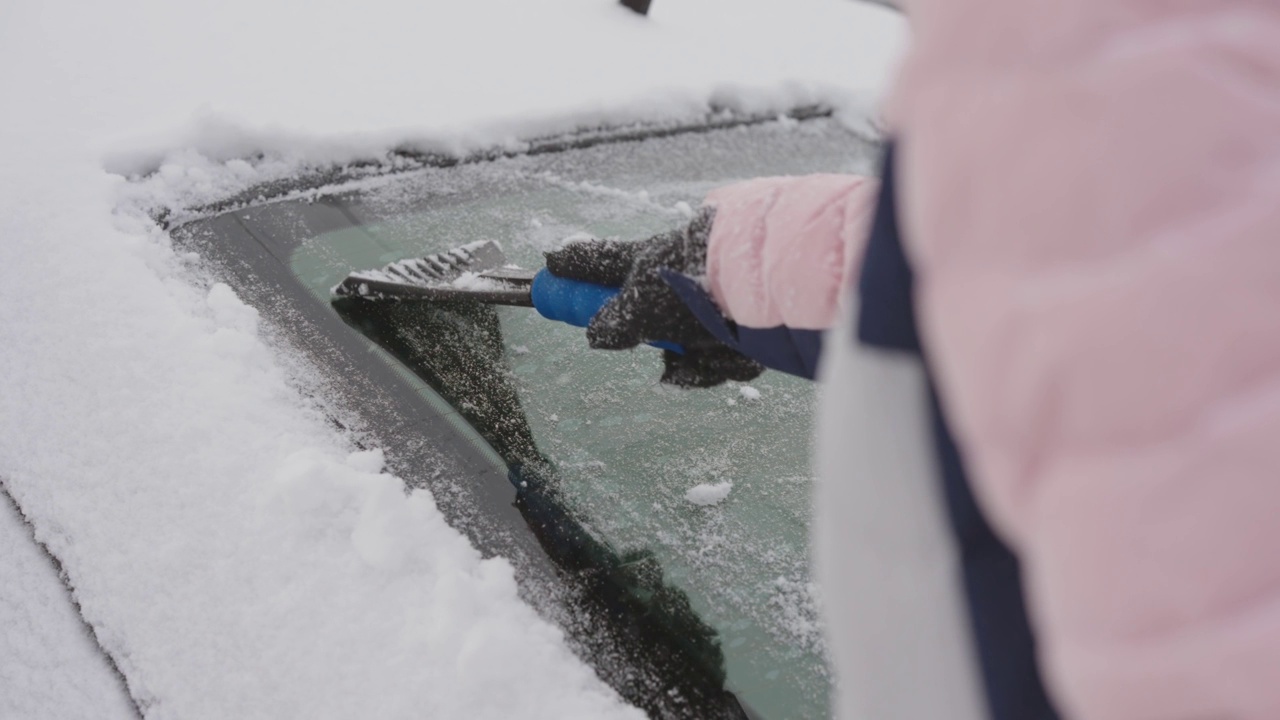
(647, 308)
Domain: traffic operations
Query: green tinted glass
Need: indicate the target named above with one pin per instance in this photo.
(638, 465)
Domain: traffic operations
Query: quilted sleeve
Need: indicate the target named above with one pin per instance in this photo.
(782, 249)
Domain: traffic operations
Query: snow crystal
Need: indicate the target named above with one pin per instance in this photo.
(749, 393)
(476, 281)
(707, 494)
(578, 237)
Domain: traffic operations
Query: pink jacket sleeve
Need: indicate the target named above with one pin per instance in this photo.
(1092, 205)
(782, 249)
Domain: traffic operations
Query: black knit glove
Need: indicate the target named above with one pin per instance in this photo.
(647, 308)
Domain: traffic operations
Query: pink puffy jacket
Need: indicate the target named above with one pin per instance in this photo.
(1091, 203)
(781, 249)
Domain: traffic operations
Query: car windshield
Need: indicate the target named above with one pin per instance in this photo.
(700, 498)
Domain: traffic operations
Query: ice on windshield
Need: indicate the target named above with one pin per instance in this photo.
(712, 485)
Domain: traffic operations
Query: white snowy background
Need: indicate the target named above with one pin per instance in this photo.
(221, 543)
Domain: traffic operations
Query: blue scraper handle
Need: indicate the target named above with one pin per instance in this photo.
(576, 302)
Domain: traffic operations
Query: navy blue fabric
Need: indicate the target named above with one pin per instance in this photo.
(781, 348)
(992, 578)
(887, 312)
(993, 588)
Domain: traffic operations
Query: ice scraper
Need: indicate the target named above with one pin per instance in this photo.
(479, 272)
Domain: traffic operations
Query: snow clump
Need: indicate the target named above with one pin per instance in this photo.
(706, 494)
(578, 237)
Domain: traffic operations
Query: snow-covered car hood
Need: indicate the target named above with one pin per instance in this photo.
(233, 554)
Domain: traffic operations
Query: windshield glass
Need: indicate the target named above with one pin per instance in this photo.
(697, 500)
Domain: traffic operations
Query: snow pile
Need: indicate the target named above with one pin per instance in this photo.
(231, 554)
(708, 494)
(50, 665)
(255, 569)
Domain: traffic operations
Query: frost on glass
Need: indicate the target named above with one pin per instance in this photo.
(697, 500)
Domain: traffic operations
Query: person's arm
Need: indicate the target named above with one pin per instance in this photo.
(782, 250)
(755, 278)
